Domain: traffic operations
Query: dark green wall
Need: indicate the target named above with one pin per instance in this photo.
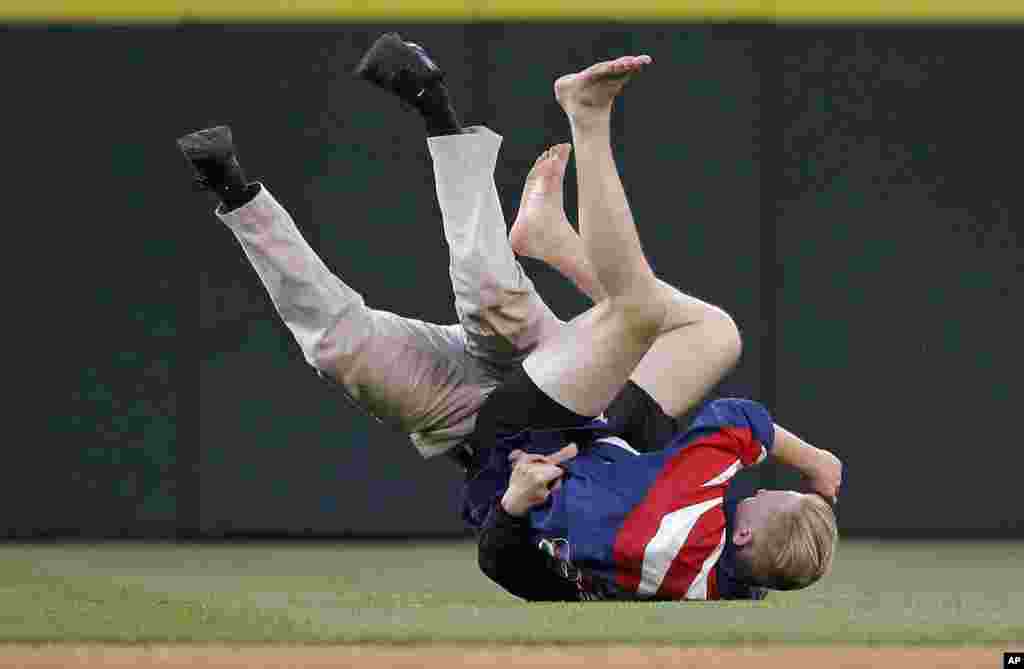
(845, 193)
(900, 269)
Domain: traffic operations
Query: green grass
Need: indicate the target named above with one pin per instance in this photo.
(878, 593)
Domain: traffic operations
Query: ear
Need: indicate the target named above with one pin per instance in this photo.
(742, 536)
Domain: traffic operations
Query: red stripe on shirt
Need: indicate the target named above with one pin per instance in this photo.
(748, 449)
(678, 485)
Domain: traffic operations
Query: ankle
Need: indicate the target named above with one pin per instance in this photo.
(436, 108)
(593, 121)
(233, 197)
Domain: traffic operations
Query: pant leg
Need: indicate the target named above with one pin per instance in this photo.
(499, 309)
(413, 375)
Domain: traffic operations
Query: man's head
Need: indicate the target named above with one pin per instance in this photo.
(784, 539)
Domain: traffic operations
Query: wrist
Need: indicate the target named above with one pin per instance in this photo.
(593, 123)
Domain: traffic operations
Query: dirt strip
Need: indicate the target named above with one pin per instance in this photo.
(445, 657)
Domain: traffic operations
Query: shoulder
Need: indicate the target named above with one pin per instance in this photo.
(730, 411)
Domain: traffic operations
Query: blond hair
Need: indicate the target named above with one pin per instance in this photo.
(797, 545)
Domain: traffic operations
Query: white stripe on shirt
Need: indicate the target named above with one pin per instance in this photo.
(699, 588)
(618, 441)
(724, 476)
(670, 538)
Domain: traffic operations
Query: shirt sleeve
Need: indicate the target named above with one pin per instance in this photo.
(508, 557)
(744, 427)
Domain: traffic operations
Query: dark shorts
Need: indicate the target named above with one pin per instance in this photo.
(518, 405)
(518, 414)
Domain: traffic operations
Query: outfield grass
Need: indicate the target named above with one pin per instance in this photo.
(879, 592)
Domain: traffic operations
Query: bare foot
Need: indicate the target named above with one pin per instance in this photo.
(593, 90)
(541, 229)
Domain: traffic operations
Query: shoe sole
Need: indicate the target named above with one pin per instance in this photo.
(207, 143)
(390, 55)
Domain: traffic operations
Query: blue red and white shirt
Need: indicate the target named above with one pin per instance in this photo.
(626, 525)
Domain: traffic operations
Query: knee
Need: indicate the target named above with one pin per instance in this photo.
(516, 316)
(725, 335)
(323, 355)
(335, 350)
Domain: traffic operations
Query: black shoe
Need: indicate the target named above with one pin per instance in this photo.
(211, 153)
(403, 68)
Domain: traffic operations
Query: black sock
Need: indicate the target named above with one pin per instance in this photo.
(227, 179)
(435, 106)
(233, 197)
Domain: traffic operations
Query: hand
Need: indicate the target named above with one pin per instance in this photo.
(557, 458)
(825, 475)
(533, 479)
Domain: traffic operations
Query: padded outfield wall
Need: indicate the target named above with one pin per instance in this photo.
(847, 192)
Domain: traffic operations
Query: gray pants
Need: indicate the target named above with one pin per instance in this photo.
(427, 380)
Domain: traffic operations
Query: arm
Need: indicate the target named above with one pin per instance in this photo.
(508, 558)
(740, 427)
(505, 553)
(750, 428)
(823, 470)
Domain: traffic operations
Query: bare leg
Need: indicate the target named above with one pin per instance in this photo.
(701, 342)
(587, 363)
(541, 229)
(606, 222)
(686, 362)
